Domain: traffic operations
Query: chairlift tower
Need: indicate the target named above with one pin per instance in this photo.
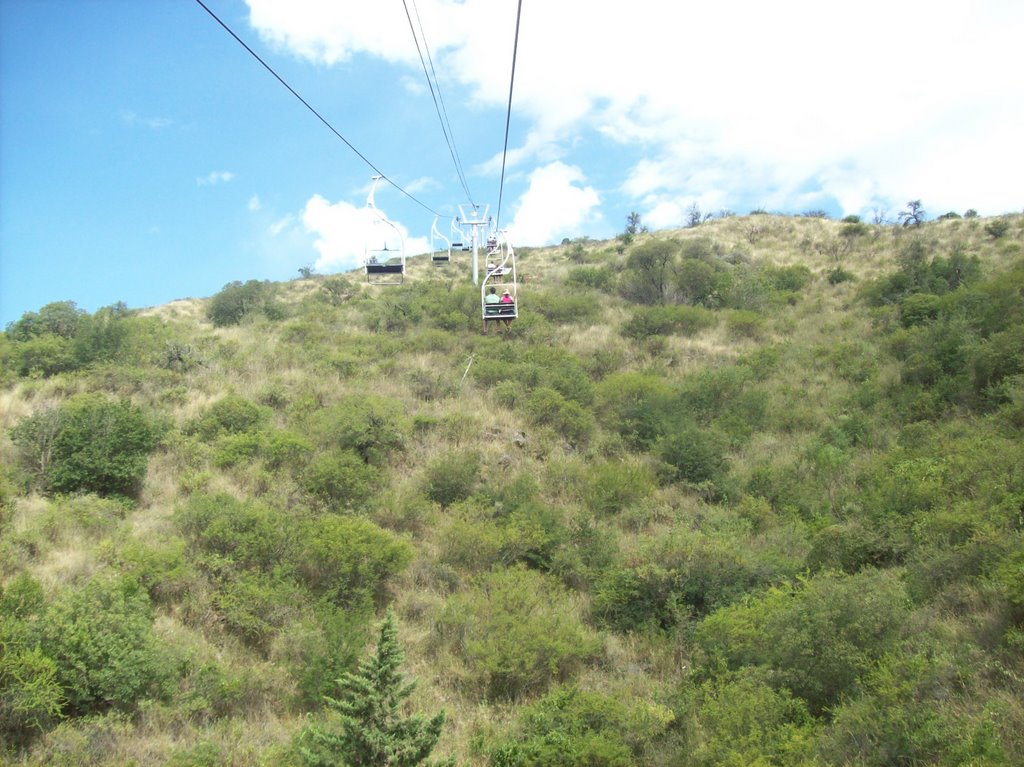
(475, 218)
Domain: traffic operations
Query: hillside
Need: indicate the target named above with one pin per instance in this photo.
(743, 493)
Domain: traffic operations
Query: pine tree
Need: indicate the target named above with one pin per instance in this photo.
(372, 730)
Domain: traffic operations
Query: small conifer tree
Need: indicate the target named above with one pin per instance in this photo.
(373, 731)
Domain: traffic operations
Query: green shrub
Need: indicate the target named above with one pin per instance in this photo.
(43, 355)
(548, 407)
(340, 479)
(564, 308)
(693, 454)
(60, 318)
(597, 277)
(665, 320)
(997, 228)
(255, 606)
(839, 275)
(743, 720)
(924, 703)
(849, 547)
(614, 486)
(249, 534)
(634, 405)
(89, 444)
(347, 560)
(744, 324)
(319, 649)
(820, 637)
(650, 272)
(452, 477)
(100, 635)
(918, 309)
(638, 599)
(790, 279)
(231, 414)
(570, 727)
(518, 633)
(30, 696)
(371, 425)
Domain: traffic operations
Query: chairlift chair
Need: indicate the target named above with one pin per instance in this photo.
(439, 256)
(384, 265)
(500, 275)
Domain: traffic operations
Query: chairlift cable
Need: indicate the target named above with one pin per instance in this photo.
(311, 109)
(446, 128)
(508, 115)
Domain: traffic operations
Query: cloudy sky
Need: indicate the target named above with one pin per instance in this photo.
(145, 155)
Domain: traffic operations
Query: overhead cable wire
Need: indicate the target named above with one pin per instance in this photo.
(446, 128)
(508, 115)
(311, 109)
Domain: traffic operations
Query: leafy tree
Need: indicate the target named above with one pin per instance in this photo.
(61, 318)
(237, 300)
(650, 272)
(373, 730)
(633, 225)
(88, 444)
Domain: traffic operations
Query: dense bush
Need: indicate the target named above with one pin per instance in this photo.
(89, 443)
(665, 320)
(340, 479)
(565, 308)
(371, 425)
(695, 455)
(63, 338)
(31, 698)
(452, 477)
(743, 719)
(598, 277)
(548, 407)
(231, 414)
(347, 560)
(570, 727)
(518, 632)
(100, 636)
(634, 405)
(820, 637)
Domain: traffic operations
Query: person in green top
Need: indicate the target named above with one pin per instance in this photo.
(491, 301)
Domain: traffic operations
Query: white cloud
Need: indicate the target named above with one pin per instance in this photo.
(344, 232)
(215, 177)
(791, 104)
(554, 206)
(254, 203)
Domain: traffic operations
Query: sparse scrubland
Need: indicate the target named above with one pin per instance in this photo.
(747, 493)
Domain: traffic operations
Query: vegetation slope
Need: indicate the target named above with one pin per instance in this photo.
(743, 493)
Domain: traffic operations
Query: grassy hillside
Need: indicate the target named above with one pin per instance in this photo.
(745, 493)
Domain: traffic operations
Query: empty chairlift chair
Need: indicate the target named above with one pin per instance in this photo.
(440, 246)
(384, 265)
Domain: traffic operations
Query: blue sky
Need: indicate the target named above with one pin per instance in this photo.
(145, 156)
